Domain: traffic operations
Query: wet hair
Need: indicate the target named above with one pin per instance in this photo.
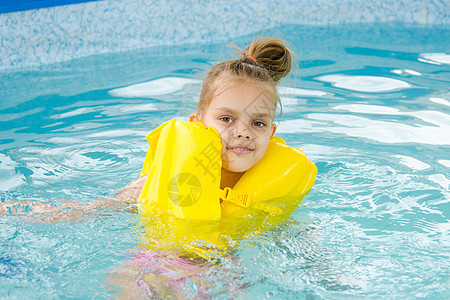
(265, 61)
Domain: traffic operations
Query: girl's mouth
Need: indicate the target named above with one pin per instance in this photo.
(240, 150)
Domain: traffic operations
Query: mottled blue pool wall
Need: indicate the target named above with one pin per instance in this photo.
(8, 6)
(47, 35)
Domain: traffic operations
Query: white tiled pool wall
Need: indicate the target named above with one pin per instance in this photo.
(48, 35)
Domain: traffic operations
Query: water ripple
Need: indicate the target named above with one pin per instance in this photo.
(366, 84)
(157, 87)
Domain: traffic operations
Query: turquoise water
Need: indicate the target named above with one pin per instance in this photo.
(371, 108)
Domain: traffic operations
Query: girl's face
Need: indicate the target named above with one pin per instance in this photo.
(243, 115)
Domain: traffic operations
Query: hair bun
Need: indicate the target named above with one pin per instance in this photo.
(272, 54)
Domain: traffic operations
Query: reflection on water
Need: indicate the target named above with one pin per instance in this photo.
(157, 87)
(366, 84)
(435, 58)
(412, 163)
(375, 119)
(425, 127)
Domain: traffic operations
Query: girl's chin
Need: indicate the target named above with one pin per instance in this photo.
(235, 166)
(234, 169)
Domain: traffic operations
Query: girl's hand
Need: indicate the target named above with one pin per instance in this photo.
(18, 207)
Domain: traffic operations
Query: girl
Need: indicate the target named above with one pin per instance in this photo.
(236, 112)
(238, 101)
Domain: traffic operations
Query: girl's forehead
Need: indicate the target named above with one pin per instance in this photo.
(247, 97)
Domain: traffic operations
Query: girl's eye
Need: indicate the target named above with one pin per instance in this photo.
(226, 119)
(259, 124)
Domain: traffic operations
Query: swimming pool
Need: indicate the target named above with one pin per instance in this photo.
(372, 114)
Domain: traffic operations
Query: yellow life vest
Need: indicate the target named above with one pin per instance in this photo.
(183, 164)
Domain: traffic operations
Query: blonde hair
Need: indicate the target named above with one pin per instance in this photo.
(265, 60)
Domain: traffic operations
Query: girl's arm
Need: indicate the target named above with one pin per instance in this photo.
(67, 210)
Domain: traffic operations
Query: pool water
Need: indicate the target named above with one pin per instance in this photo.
(370, 106)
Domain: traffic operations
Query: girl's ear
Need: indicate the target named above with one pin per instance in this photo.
(274, 128)
(194, 117)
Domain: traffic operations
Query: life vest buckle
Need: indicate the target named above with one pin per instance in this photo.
(237, 198)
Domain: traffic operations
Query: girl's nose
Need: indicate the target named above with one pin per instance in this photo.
(243, 136)
(243, 132)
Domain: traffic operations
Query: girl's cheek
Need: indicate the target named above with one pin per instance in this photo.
(224, 141)
(224, 133)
